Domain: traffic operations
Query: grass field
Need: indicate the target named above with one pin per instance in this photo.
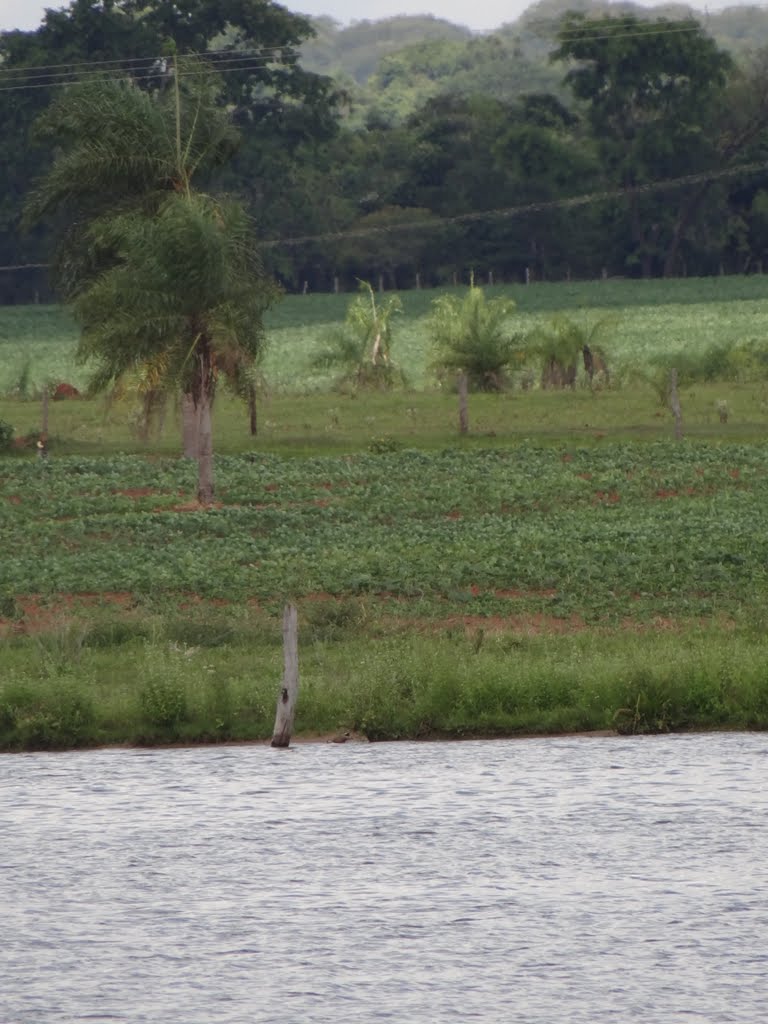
(564, 567)
(649, 317)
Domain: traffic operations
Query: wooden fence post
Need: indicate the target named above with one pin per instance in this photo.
(289, 691)
(674, 404)
(463, 410)
(44, 423)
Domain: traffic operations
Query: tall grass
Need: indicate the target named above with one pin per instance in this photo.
(149, 690)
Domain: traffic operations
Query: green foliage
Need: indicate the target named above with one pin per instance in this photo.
(53, 715)
(561, 346)
(472, 335)
(362, 346)
(6, 435)
(164, 702)
(384, 445)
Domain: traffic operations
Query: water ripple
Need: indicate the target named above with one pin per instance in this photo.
(559, 881)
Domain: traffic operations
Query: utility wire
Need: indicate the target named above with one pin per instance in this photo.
(256, 52)
(516, 211)
(248, 66)
(505, 213)
(282, 54)
(151, 66)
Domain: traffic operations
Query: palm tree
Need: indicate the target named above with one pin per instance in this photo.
(157, 272)
(187, 293)
(122, 148)
(473, 336)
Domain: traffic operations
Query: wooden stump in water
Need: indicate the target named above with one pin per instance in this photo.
(289, 691)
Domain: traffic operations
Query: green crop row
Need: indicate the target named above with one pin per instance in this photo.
(610, 532)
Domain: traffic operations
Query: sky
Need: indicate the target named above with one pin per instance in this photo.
(27, 14)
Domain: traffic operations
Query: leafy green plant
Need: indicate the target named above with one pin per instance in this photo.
(48, 716)
(472, 335)
(361, 347)
(164, 702)
(6, 435)
(563, 344)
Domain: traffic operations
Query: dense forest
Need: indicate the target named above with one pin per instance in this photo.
(583, 139)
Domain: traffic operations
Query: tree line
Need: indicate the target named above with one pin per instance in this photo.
(645, 158)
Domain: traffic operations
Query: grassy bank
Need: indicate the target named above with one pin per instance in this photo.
(534, 588)
(86, 686)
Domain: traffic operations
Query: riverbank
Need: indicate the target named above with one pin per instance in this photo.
(81, 686)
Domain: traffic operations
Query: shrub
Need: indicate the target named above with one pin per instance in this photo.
(473, 336)
(361, 348)
(52, 716)
(6, 435)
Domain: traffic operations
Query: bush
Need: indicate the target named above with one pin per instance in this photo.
(53, 716)
(360, 349)
(473, 336)
(6, 436)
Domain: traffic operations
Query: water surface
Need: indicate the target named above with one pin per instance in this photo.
(556, 880)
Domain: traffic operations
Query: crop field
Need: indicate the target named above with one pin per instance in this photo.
(583, 535)
(565, 566)
(37, 344)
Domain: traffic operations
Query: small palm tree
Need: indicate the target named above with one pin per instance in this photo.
(473, 336)
(563, 344)
(362, 346)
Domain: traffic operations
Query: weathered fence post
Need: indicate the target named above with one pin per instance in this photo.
(335, 286)
(674, 404)
(44, 423)
(418, 279)
(527, 275)
(289, 691)
(463, 410)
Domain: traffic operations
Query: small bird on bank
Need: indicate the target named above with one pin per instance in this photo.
(42, 449)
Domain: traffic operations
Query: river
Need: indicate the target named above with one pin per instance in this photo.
(541, 880)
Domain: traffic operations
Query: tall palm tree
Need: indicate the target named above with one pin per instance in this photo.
(186, 291)
(157, 272)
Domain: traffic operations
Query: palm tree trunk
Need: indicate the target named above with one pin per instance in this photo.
(203, 391)
(205, 450)
(190, 425)
(252, 413)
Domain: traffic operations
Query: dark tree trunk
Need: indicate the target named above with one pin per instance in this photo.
(190, 426)
(202, 392)
(252, 414)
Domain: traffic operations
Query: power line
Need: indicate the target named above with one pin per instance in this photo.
(517, 211)
(505, 213)
(256, 51)
(152, 67)
(251, 64)
(282, 54)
